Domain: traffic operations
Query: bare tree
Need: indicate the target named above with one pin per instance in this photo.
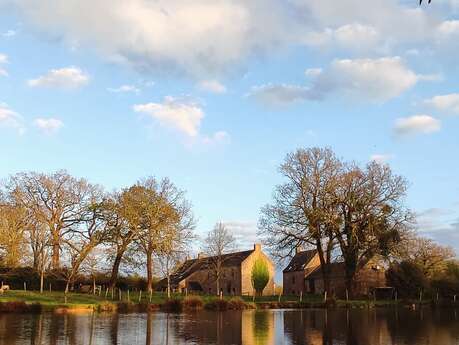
(304, 210)
(90, 232)
(55, 200)
(219, 241)
(165, 217)
(432, 258)
(373, 215)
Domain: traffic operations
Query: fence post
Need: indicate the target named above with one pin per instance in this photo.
(454, 298)
(140, 295)
(325, 296)
(347, 295)
(301, 296)
(151, 293)
(396, 296)
(128, 299)
(119, 294)
(49, 287)
(25, 286)
(420, 296)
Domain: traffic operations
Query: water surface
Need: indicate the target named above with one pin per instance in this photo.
(309, 327)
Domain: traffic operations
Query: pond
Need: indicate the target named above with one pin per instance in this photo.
(311, 327)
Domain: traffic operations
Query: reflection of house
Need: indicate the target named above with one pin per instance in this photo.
(198, 275)
(303, 274)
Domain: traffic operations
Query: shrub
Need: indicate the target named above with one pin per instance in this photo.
(193, 303)
(260, 276)
(407, 278)
(106, 307)
(19, 307)
(237, 303)
(172, 305)
(217, 304)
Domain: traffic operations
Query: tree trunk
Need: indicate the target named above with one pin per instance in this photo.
(55, 263)
(42, 273)
(116, 268)
(94, 284)
(149, 270)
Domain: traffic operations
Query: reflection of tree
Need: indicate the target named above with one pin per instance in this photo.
(148, 329)
(114, 322)
(260, 326)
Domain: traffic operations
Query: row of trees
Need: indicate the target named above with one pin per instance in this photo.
(344, 211)
(50, 219)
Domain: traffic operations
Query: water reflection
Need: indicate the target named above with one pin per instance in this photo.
(290, 327)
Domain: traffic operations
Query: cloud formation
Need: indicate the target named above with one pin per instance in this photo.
(124, 89)
(11, 119)
(445, 103)
(376, 80)
(213, 86)
(198, 37)
(416, 124)
(48, 125)
(218, 137)
(3, 61)
(182, 115)
(381, 158)
(62, 78)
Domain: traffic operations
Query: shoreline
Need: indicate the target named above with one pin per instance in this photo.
(34, 302)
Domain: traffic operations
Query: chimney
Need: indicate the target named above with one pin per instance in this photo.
(257, 247)
(298, 249)
(201, 255)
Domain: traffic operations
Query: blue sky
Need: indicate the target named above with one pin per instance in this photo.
(213, 95)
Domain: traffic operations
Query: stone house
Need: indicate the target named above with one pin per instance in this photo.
(198, 275)
(303, 274)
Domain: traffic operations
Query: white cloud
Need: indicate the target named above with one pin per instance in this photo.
(217, 138)
(182, 115)
(3, 61)
(213, 86)
(363, 79)
(245, 232)
(376, 79)
(446, 103)
(11, 119)
(65, 78)
(48, 125)
(124, 89)
(313, 72)
(199, 38)
(355, 37)
(416, 124)
(9, 33)
(381, 158)
(280, 94)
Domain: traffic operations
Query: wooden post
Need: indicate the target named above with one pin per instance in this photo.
(301, 296)
(454, 298)
(396, 296)
(420, 296)
(25, 286)
(151, 293)
(437, 296)
(119, 294)
(221, 294)
(347, 296)
(140, 295)
(325, 296)
(100, 289)
(186, 292)
(106, 292)
(128, 299)
(49, 287)
(65, 297)
(112, 293)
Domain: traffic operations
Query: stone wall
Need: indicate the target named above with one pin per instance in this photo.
(246, 273)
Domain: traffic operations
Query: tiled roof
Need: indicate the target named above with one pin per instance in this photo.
(337, 271)
(300, 260)
(194, 265)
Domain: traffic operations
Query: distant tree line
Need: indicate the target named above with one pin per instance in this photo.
(55, 222)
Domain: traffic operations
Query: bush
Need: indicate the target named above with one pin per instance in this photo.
(172, 305)
(237, 303)
(19, 307)
(407, 278)
(217, 304)
(260, 276)
(193, 303)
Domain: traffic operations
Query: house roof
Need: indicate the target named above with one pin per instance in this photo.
(337, 271)
(194, 265)
(300, 261)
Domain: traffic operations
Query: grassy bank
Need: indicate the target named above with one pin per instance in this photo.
(31, 301)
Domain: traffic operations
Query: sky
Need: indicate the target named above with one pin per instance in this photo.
(214, 94)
